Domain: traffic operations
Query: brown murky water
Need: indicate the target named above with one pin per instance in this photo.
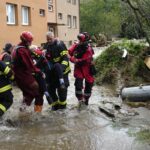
(87, 129)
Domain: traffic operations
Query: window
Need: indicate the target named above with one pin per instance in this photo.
(42, 12)
(50, 7)
(74, 2)
(50, 1)
(11, 13)
(60, 16)
(69, 1)
(69, 21)
(51, 29)
(74, 22)
(25, 15)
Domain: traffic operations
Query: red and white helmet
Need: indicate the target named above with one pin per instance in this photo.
(26, 37)
(81, 37)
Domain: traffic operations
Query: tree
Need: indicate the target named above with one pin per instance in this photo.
(130, 18)
(100, 16)
(141, 12)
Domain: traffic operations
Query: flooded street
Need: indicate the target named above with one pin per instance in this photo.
(73, 129)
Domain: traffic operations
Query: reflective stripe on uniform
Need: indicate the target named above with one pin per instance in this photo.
(63, 103)
(7, 69)
(35, 54)
(56, 59)
(64, 52)
(54, 103)
(64, 62)
(3, 108)
(12, 77)
(7, 63)
(5, 88)
(67, 70)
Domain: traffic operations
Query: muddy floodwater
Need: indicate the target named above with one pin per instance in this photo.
(74, 129)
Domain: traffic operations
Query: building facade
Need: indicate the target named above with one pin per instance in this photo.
(38, 17)
(68, 20)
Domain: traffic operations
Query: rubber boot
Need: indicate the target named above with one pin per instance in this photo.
(86, 102)
(37, 108)
(62, 106)
(55, 106)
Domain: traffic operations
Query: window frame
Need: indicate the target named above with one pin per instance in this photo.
(9, 21)
(42, 12)
(69, 21)
(51, 10)
(28, 15)
(60, 16)
(74, 22)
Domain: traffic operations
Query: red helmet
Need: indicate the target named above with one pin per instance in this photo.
(87, 36)
(81, 37)
(38, 51)
(26, 36)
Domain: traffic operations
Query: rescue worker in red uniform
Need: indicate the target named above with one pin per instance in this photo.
(24, 69)
(81, 54)
(57, 76)
(6, 97)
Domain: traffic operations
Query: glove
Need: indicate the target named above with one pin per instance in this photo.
(74, 60)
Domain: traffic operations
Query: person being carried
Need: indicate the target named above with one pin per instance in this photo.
(41, 62)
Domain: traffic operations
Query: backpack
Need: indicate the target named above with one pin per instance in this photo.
(15, 54)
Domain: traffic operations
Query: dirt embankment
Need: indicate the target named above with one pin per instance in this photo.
(113, 67)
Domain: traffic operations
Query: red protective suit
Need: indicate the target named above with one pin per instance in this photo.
(82, 65)
(24, 68)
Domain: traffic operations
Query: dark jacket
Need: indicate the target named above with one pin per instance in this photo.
(6, 75)
(58, 53)
(6, 57)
